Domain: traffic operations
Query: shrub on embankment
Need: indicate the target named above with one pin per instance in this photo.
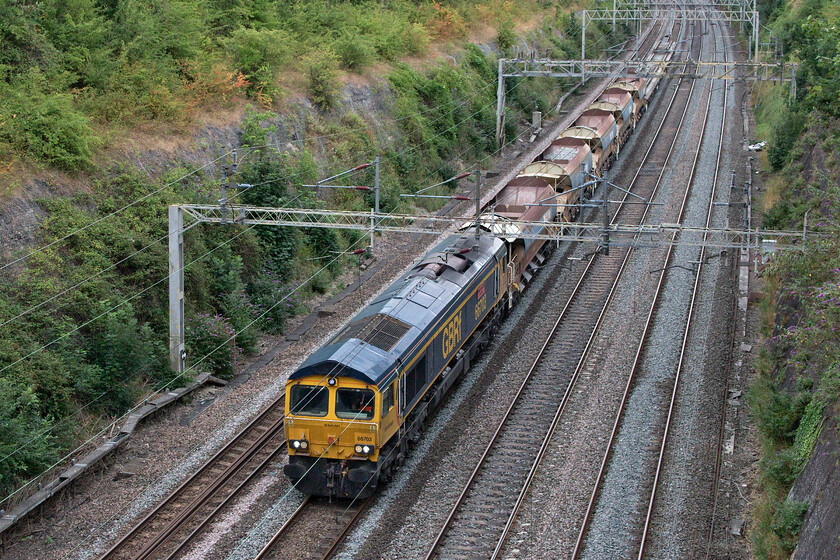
(796, 392)
(87, 316)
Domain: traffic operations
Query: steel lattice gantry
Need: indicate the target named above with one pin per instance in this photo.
(637, 12)
(437, 225)
(545, 68)
(619, 235)
(583, 69)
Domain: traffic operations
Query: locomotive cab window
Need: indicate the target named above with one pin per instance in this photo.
(308, 400)
(388, 399)
(354, 404)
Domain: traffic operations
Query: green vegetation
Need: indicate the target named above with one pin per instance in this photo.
(67, 66)
(87, 317)
(798, 368)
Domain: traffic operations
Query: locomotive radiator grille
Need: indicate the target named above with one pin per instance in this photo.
(382, 331)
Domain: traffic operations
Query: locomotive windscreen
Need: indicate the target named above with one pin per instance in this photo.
(355, 404)
(309, 400)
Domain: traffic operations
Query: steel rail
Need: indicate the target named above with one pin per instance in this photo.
(176, 494)
(338, 540)
(583, 358)
(235, 493)
(185, 516)
(192, 508)
(722, 429)
(648, 322)
(542, 350)
(299, 517)
(721, 432)
(270, 544)
(684, 345)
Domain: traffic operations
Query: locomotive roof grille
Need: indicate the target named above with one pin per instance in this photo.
(382, 331)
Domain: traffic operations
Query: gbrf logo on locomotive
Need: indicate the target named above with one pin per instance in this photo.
(452, 334)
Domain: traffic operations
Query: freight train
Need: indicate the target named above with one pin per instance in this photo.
(355, 406)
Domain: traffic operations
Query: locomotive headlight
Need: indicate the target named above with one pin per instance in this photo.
(358, 449)
(366, 449)
(296, 444)
(304, 444)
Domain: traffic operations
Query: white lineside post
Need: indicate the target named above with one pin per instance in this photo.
(177, 351)
(583, 47)
(500, 105)
(749, 42)
(375, 200)
(477, 205)
(605, 235)
(755, 34)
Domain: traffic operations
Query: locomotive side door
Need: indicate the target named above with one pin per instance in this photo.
(401, 402)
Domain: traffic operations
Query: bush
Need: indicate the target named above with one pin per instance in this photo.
(321, 71)
(505, 34)
(354, 51)
(254, 133)
(779, 216)
(121, 353)
(808, 431)
(211, 344)
(259, 54)
(275, 300)
(776, 412)
(243, 316)
(781, 469)
(785, 134)
(46, 127)
(26, 445)
(787, 522)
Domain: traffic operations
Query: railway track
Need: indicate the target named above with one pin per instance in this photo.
(170, 526)
(168, 530)
(483, 513)
(296, 539)
(637, 362)
(684, 346)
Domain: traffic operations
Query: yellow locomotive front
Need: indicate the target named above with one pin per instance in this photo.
(333, 429)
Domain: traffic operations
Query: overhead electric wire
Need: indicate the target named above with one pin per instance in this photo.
(193, 366)
(55, 426)
(325, 266)
(105, 217)
(114, 265)
(133, 297)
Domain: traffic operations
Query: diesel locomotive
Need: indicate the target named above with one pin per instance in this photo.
(353, 406)
(358, 402)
